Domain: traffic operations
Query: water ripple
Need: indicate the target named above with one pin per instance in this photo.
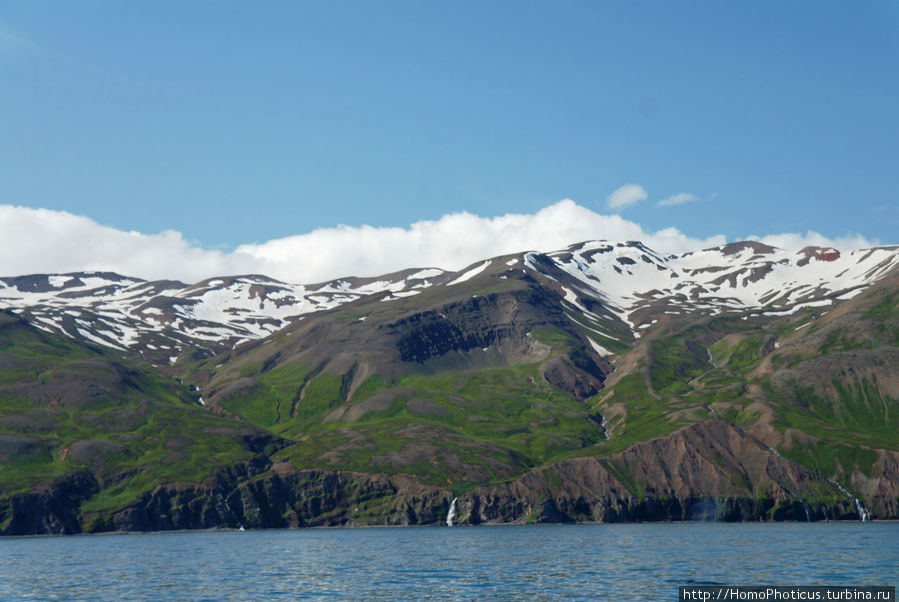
(571, 562)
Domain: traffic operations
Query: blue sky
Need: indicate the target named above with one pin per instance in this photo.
(235, 123)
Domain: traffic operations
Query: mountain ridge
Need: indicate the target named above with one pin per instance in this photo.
(600, 382)
(119, 311)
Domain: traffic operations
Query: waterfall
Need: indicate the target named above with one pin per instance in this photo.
(234, 516)
(840, 487)
(451, 515)
(605, 429)
(808, 517)
(862, 511)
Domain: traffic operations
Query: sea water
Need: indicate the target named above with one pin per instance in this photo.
(544, 562)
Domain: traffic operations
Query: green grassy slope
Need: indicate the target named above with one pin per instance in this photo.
(819, 385)
(65, 407)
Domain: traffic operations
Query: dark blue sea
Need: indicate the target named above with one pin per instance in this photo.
(546, 562)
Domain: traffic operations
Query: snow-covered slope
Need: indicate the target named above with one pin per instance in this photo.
(163, 318)
(600, 283)
(748, 277)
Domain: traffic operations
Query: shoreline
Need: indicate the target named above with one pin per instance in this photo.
(443, 526)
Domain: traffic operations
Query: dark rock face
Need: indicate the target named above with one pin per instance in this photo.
(282, 499)
(186, 505)
(428, 335)
(504, 322)
(310, 498)
(168, 508)
(54, 510)
(478, 322)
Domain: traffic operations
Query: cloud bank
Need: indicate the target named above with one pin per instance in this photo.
(44, 241)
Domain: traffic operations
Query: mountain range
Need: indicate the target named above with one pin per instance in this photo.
(602, 382)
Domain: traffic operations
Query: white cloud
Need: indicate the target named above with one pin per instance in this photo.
(44, 241)
(677, 199)
(626, 196)
(452, 242)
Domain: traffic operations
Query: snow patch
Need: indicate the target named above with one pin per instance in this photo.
(850, 294)
(798, 308)
(424, 274)
(95, 339)
(470, 273)
(58, 281)
(602, 351)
